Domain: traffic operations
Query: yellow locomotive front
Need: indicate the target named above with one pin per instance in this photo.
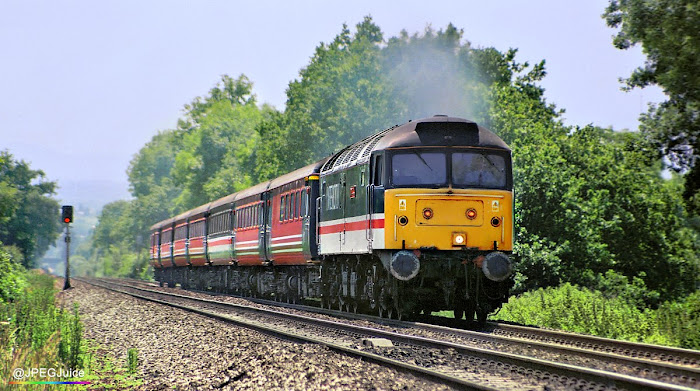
(448, 224)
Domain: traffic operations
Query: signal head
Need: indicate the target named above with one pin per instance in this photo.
(67, 214)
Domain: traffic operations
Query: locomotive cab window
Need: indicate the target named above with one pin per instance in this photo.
(378, 176)
(485, 169)
(419, 168)
(479, 169)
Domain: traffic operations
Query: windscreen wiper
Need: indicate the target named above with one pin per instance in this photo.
(422, 160)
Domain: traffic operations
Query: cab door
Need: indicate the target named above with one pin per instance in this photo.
(305, 223)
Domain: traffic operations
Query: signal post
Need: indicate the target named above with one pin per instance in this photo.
(67, 218)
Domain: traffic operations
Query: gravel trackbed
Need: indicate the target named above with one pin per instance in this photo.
(183, 351)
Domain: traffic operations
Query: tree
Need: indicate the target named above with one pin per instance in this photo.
(341, 97)
(28, 213)
(670, 37)
(216, 157)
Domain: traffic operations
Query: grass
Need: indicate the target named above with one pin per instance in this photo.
(35, 333)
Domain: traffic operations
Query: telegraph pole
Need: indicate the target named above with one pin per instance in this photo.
(67, 217)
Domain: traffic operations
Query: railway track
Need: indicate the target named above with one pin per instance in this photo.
(506, 357)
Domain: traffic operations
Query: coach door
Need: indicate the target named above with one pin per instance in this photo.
(264, 221)
(305, 223)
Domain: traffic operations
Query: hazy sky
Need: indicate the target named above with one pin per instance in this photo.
(85, 84)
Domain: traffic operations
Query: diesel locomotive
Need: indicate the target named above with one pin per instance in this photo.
(415, 218)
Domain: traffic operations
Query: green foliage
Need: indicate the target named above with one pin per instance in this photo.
(132, 361)
(580, 310)
(37, 334)
(34, 312)
(617, 312)
(107, 371)
(70, 348)
(12, 278)
(342, 96)
(589, 201)
(670, 39)
(28, 215)
(681, 321)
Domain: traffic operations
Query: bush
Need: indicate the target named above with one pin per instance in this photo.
(36, 333)
(581, 310)
(12, 279)
(680, 321)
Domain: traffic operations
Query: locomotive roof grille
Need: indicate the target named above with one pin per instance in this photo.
(355, 152)
(374, 140)
(460, 133)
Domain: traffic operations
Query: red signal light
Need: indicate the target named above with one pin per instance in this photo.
(67, 214)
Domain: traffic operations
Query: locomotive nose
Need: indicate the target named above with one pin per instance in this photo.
(497, 266)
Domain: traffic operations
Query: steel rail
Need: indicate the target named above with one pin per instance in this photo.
(571, 346)
(687, 355)
(279, 333)
(584, 373)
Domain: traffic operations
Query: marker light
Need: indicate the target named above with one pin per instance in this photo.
(459, 239)
(427, 213)
(471, 213)
(403, 220)
(495, 221)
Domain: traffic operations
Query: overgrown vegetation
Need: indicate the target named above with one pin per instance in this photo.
(34, 332)
(608, 314)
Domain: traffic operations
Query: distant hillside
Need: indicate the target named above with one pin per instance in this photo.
(91, 194)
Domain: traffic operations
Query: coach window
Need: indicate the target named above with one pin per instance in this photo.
(304, 200)
(299, 203)
(294, 206)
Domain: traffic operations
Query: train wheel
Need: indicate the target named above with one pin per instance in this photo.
(385, 311)
(401, 315)
(481, 316)
(459, 309)
(470, 310)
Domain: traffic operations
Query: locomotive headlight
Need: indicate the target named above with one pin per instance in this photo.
(471, 213)
(459, 239)
(427, 213)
